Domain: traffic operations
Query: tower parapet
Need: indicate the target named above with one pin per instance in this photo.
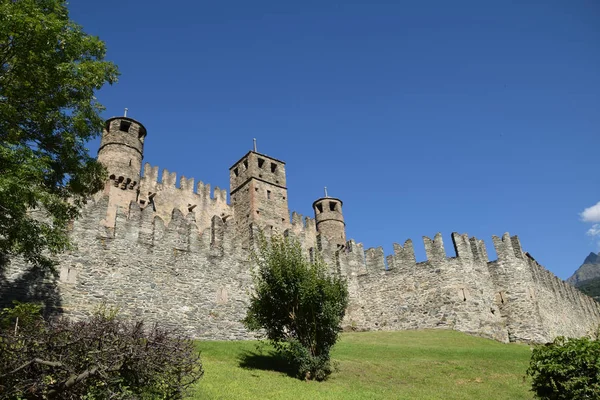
(258, 193)
(121, 151)
(330, 220)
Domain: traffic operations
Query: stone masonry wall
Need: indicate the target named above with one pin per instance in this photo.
(259, 194)
(162, 273)
(330, 220)
(451, 293)
(169, 272)
(509, 299)
(164, 197)
(563, 310)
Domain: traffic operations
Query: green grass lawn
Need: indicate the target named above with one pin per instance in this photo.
(430, 364)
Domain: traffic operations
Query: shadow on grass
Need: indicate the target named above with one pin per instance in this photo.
(266, 361)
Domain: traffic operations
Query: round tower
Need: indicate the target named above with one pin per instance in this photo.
(330, 220)
(121, 151)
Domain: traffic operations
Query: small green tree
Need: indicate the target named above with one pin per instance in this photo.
(566, 369)
(298, 305)
(49, 71)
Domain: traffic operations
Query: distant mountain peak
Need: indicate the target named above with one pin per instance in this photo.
(592, 258)
(590, 269)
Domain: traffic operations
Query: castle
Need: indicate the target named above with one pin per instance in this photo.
(179, 255)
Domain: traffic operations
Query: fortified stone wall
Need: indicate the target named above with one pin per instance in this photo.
(174, 274)
(304, 229)
(509, 299)
(167, 273)
(163, 197)
(442, 292)
(177, 255)
(562, 308)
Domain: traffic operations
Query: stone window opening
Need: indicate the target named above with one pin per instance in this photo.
(236, 172)
(261, 162)
(464, 296)
(130, 162)
(268, 194)
(273, 167)
(125, 183)
(246, 164)
(124, 126)
(258, 212)
(331, 206)
(319, 208)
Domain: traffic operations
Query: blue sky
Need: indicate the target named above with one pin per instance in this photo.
(432, 116)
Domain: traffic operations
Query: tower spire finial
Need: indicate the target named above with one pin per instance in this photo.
(326, 192)
(254, 141)
(125, 114)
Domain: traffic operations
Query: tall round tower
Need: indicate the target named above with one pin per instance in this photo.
(121, 151)
(330, 220)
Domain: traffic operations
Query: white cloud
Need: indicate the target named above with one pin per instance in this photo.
(591, 214)
(594, 230)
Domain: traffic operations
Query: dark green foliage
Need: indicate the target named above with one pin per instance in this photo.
(566, 369)
(100, 358)
(298, 305)
(49, 71)
(591, 287)
(21, 317)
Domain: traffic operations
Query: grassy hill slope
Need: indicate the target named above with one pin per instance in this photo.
(430, 364)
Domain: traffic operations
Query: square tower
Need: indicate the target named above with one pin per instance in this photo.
(258, 193)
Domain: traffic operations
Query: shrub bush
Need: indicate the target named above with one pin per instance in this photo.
(99, 358)
(298, 305)
(566, 369)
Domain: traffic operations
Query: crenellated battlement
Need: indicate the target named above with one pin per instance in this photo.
(507, 247)
(467, 249)
(510, 298)
(179, 233)
(514, 297)
(186, 185)
(301, 224)
(187, 197)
